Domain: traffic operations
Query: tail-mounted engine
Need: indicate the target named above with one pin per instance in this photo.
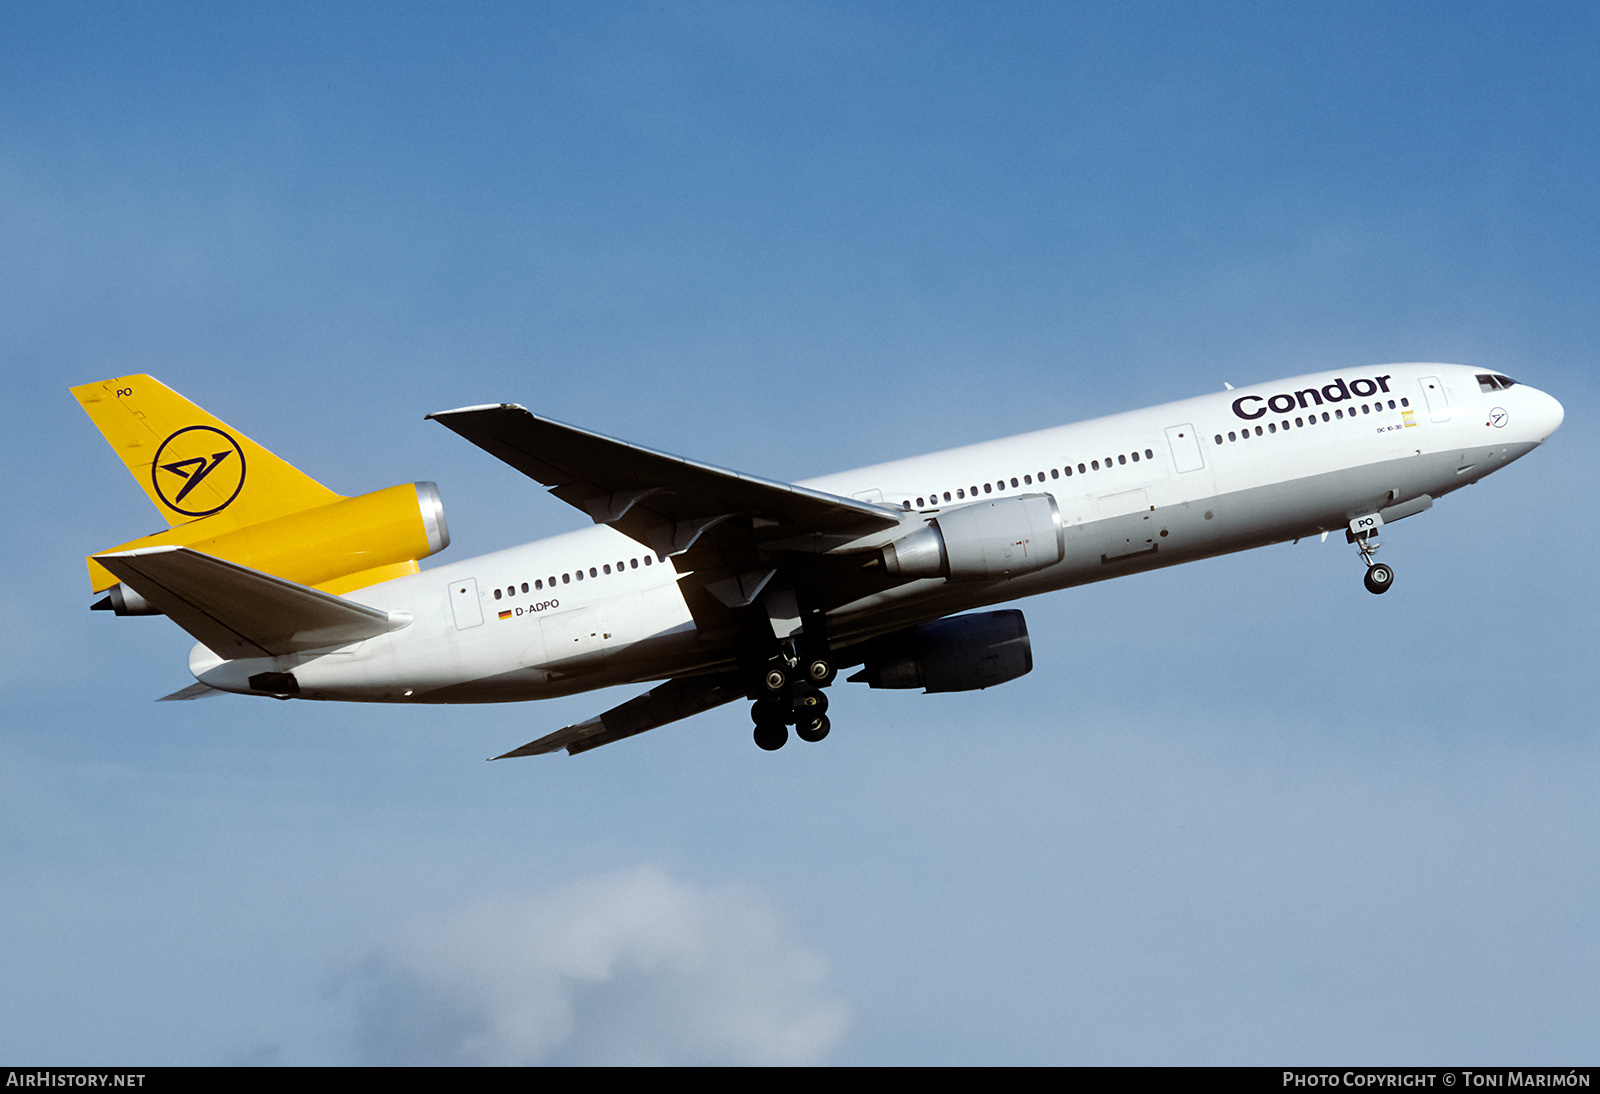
(348, 544)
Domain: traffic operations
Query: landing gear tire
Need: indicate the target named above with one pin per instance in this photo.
(774, 680)
(812, 729)
(809, 703)
(771, 736)
(1379, 578)
(768, 711)
(819, 671)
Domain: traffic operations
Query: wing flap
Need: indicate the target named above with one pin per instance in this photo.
(239, 612)
(664, 703)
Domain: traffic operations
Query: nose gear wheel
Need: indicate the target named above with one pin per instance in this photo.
(1379, 575)
(1379, 578)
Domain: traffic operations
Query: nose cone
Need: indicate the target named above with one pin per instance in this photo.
(1543, 415)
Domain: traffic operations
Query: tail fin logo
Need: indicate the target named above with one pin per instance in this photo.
(196, 455)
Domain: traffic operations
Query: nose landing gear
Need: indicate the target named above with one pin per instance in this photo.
(1364, 534)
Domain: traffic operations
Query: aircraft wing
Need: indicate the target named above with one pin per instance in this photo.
(195, 690)
(730, 534)
(668, 702)
(665, 502)
(239, 612)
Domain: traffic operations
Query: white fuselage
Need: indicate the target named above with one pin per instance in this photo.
(1148, 488)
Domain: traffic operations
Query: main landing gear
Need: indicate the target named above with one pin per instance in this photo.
(789, 692)
(1364, 534)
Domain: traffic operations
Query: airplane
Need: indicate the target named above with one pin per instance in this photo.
(715, 585)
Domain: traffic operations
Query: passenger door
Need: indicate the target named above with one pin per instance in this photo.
(1185, 445)
(464, 603)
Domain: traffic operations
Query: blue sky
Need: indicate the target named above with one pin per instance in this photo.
(1241, 811)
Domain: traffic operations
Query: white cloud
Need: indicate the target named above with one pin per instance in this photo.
(626, 968)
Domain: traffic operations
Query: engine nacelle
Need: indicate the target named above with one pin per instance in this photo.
(983, 541)
(347, 544)
(961, 653)
(124, 601)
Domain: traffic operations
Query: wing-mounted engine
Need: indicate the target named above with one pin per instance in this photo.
(984, 541)
(961, 653)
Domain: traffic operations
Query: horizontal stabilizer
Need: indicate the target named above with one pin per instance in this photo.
(669, 702)
(239, 612)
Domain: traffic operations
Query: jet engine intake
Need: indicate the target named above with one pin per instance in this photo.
(961, 653)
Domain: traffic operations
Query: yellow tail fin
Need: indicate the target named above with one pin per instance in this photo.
(191, 464)
(223, 494)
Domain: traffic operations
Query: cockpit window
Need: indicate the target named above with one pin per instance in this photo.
(1486, 383)
(1505, 381)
